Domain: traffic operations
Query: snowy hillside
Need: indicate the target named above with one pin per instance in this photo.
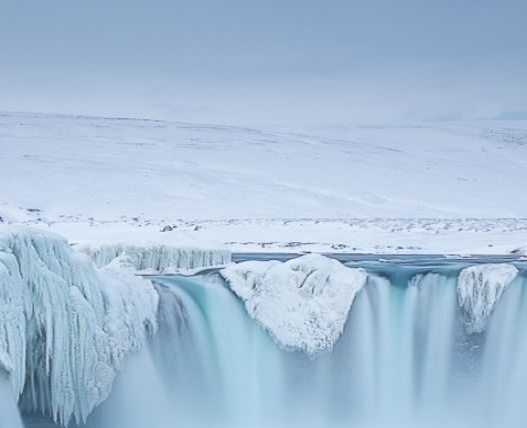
(144, 174)
(108, 168)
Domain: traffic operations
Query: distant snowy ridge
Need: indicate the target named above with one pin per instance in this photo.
(480, 289)
(65, 326)
(167, 170)
(155, 257)
(303, 303)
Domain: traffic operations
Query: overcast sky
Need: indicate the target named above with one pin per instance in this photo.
(266, 62)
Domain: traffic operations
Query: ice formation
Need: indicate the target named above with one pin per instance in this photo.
(479, 291)
(65, 326)
(303, 303)
(155, 257)
(9, 415)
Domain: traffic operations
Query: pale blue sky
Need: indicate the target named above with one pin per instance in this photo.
(277, 62)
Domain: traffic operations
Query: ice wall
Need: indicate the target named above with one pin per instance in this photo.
(65, 326)
(480, 289)
(303, 303)
(155, 257)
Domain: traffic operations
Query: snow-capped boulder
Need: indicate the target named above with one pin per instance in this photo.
(155, 257)
(65, 326)
(303, 303)
(480, 289)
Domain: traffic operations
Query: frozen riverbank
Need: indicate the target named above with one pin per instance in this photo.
(402, 236)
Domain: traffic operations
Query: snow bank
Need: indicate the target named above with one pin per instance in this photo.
(479, 291)
(303, 303)
(65, 327)
(155, 257)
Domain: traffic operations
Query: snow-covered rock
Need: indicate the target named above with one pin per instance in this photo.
(479, 291)
(155, 257)
(520, 250)
(65, 326)
(303, 303)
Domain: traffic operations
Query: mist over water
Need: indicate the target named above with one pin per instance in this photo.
(405, 359)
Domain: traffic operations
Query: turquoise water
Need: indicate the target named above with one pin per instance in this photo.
(404, 359)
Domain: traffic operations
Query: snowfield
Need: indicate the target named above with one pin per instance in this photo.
(434, 187)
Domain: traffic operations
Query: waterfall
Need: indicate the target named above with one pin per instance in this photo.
(407, 357)
(404, 359)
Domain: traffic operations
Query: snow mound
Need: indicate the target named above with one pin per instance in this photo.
(154, 257)
(303, 303)
(479, 291)
(65, 327)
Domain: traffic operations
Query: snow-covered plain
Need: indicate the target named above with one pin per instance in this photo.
(434, 187)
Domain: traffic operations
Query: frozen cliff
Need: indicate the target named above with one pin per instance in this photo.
(65, 326)
(155, 257)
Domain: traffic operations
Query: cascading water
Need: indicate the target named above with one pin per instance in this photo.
(406, 358)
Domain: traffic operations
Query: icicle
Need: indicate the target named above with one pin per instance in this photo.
(64, 326)
(155, 258)
(479, 291)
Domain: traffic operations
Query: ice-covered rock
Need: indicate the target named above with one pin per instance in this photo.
(479, 291)
(65, 326)
(303, 303)
(155, 257)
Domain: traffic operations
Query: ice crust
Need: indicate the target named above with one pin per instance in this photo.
(155, 257)
(479, 291)
(66, 326)
(303, 303)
